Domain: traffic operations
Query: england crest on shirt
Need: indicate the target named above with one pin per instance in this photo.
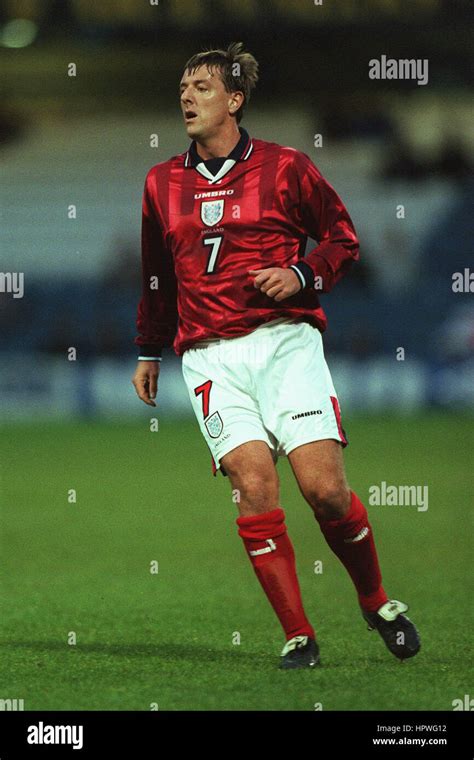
(212, 212)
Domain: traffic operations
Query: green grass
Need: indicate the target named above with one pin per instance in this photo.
(167, 637)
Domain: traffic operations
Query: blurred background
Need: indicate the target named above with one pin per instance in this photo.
(84, 141)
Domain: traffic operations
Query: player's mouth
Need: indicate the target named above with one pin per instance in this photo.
(189, 116)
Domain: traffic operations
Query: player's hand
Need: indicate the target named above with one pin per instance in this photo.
(145, 381)
(276, 282)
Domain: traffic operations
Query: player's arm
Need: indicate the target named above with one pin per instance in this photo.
(321, 214)
(318, 212)
(157, 314)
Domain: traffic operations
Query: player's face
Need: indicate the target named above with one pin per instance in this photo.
(204, 102)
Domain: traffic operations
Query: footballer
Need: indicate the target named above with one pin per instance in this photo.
(226, 282)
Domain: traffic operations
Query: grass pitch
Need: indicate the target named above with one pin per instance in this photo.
(82, 571)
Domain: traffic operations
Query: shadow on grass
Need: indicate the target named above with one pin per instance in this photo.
(172, 651)
(168, 651)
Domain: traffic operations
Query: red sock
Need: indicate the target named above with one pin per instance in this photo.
(273, 559)
(351, 540)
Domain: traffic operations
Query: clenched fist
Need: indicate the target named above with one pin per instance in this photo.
(276, 282)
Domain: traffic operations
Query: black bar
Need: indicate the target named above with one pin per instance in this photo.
(152, 734)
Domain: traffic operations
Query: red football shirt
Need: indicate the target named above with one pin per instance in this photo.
(203, 230)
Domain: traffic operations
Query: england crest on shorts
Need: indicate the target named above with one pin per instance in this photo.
(214, 425)
(212, 212)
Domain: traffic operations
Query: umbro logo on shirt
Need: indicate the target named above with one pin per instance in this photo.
(306, 414)
(212, 194)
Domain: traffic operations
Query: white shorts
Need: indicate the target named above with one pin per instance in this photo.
(271, 385)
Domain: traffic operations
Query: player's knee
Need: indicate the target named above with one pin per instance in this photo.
(258, 490)
(329, 501)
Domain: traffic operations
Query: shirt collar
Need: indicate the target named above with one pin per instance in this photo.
(241, 151)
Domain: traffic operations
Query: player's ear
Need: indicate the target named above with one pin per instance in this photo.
(235, 102)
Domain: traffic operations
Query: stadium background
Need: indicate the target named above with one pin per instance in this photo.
(141, 496)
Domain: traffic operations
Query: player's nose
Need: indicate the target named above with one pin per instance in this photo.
(185, 97)
(186, 104)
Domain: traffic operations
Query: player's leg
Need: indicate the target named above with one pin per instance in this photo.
(343, 519)
(253, 475)
(261, 524)
(231, 424)
(301, 410)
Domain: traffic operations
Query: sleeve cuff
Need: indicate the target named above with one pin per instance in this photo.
(305, 274)
(150, 352)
